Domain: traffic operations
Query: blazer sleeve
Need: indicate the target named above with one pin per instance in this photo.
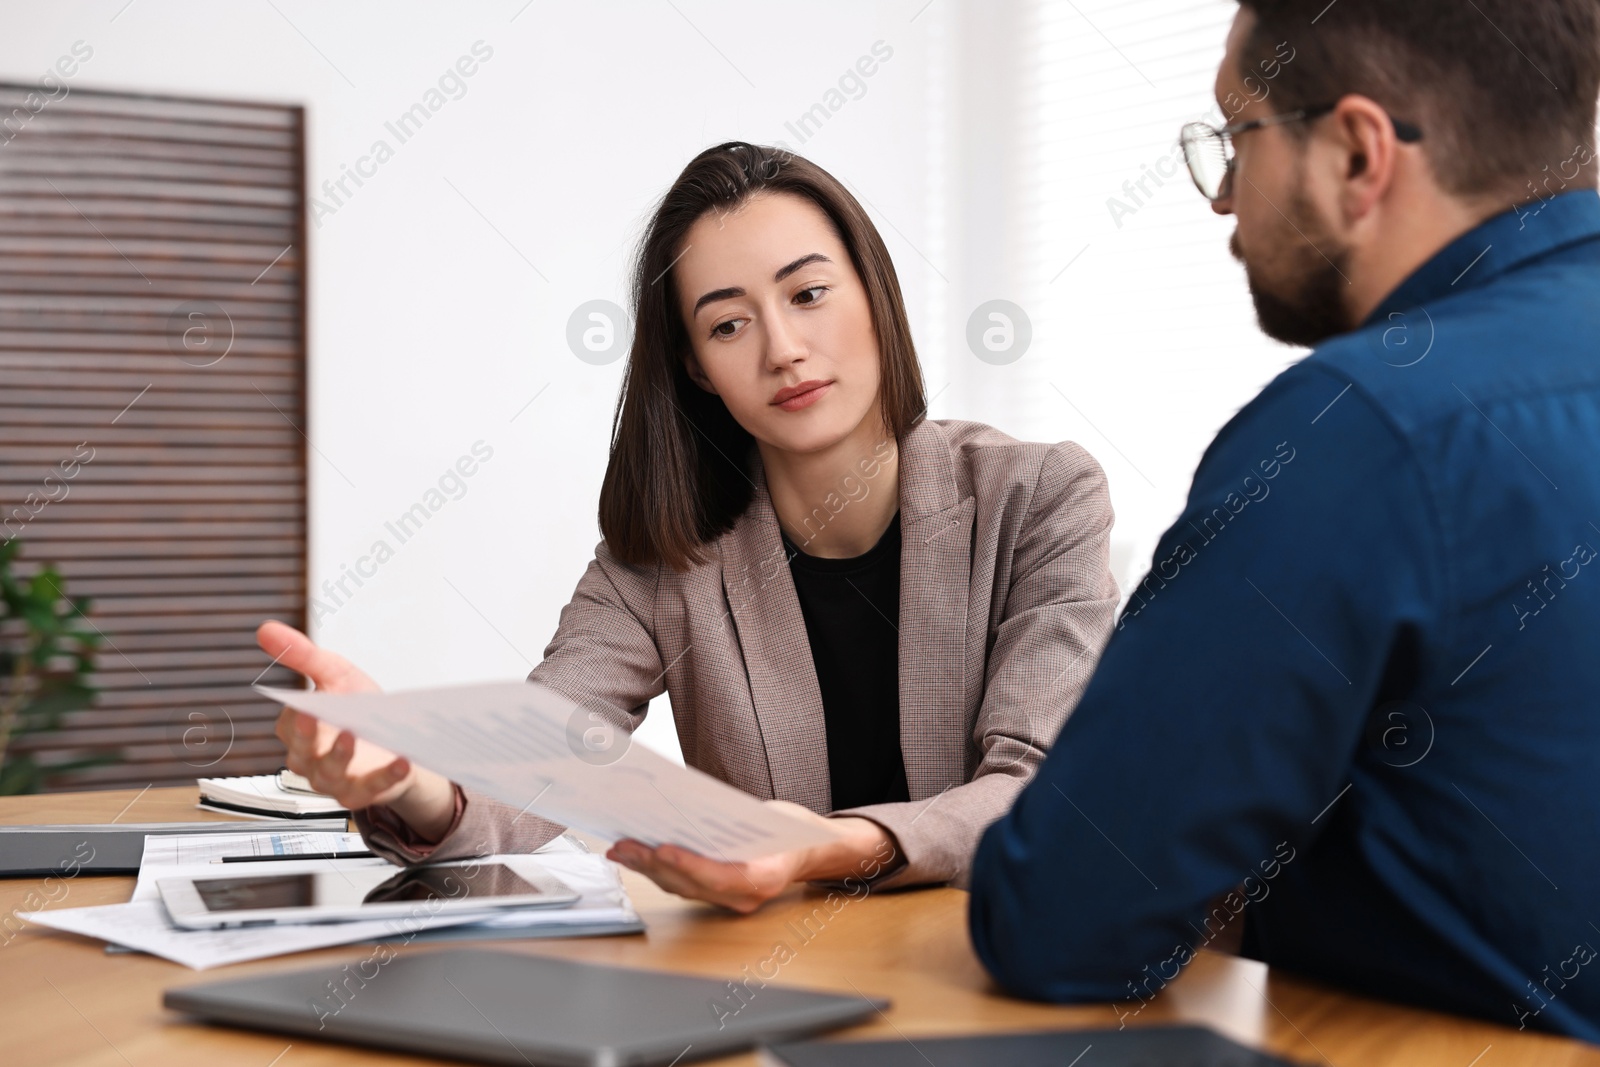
(604, 658)
(1059, 610)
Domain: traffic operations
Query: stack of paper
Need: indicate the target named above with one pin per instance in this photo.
(266, 796)
(142, 923)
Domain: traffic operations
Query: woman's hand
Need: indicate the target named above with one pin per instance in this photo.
(356, 773)
(862, 850)
(741, 887)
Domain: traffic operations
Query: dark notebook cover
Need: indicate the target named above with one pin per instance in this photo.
(1147, 1046)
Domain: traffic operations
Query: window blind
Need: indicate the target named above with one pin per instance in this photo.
(1145, 340)
(152, 344)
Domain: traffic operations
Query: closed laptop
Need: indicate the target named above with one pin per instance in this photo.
(510, 1008)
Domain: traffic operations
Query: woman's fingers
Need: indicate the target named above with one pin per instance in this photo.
(727, 878)
(672, 880)
(376, 786)
(338, 764)
(331, 765)
(335, 763)
(298, 732)
(687, 874)
(329, 670)
(354, 772)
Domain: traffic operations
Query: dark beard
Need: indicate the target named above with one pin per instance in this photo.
(1312, 310)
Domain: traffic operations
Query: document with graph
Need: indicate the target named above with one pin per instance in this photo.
(537, 750)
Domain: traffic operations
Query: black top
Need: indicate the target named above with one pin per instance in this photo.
(852, 612)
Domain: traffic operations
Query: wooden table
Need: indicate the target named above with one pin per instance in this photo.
(64, 1001)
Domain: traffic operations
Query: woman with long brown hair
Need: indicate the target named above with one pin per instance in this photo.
(868, 615)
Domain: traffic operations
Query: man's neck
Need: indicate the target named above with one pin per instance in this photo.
(1415, 228)
(838, 502)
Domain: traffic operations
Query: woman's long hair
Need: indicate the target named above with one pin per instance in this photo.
(677, 476)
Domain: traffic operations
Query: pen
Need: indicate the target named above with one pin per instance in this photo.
(299, 856)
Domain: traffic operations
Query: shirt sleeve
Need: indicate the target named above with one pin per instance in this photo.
(1227, 708)
(1059, 606)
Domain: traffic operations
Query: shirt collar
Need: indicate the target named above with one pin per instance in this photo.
(1499, 245)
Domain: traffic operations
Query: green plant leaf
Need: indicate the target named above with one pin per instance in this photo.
(19, 775)
(56, 700)
(47, 660)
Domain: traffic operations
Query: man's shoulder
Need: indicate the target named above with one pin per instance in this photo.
(1527, 333)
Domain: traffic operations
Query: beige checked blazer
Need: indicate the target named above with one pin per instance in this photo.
(1006, 599)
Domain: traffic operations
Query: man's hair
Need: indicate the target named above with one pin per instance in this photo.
(1502, 89)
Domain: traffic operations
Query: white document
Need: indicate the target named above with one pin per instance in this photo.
(142, 923)
(536, 750)
(174, 850)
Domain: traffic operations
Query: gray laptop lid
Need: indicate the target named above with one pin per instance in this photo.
(505, 1007)
(65, 849)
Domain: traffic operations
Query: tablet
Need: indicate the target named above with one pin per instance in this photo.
(341, 894)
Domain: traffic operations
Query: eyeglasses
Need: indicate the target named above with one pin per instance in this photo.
(1209, 151)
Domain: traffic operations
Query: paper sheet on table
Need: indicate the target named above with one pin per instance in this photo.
(534, 749)
(142, 923)
(173, 849)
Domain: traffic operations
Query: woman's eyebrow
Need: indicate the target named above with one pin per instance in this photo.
(810, 257)
(713, 296)
(782, 273)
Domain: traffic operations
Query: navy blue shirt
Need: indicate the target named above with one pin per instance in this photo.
(1355, 706)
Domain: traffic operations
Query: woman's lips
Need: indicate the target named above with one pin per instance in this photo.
(807, 398)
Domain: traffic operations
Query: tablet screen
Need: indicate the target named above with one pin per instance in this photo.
(481, 881)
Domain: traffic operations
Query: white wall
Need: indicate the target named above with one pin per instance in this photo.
(441, 289)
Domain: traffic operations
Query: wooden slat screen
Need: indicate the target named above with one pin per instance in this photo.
(152, 328)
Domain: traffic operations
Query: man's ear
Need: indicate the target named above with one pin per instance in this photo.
(697, 373)
(1370, 153)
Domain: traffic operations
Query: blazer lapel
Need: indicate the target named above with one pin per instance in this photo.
(777, 653)
(935, 575)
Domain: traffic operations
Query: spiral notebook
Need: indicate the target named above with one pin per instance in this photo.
(284, 795)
